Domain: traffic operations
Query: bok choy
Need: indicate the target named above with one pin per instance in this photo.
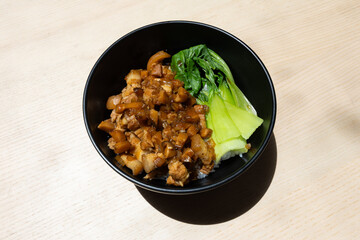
(208, 78)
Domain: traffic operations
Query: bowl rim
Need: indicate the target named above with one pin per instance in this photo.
(182, 191)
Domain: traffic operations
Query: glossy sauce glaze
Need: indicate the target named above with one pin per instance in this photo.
(156, 126)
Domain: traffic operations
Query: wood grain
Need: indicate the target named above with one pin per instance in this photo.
(53, 184)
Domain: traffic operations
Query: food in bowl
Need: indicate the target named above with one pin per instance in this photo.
(231, 115)
(157, 127)
(178, 120)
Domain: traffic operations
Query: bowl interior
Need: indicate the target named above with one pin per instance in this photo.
(133, 51)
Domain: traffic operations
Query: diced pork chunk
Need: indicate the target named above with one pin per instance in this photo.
(178, 174)
(199, 147)
(133, 79)
(156, 71)
(131, 162)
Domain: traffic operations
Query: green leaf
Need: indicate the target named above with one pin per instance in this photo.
(239, 98)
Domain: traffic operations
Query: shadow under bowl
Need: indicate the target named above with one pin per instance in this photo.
(223, 203)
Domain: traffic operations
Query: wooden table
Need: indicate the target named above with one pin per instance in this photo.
(54, 185)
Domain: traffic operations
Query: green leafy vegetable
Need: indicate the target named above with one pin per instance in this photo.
(219, 114)
(245, 122)
(208, 78)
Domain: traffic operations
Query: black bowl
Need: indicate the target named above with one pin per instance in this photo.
(133, 50)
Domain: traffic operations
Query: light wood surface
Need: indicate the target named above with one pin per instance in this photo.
(54, 185)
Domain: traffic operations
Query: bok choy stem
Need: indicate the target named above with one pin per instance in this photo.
(208, 78)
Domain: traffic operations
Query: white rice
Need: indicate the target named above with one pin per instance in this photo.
(201, 175)
(226, 156)
(230, 154)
